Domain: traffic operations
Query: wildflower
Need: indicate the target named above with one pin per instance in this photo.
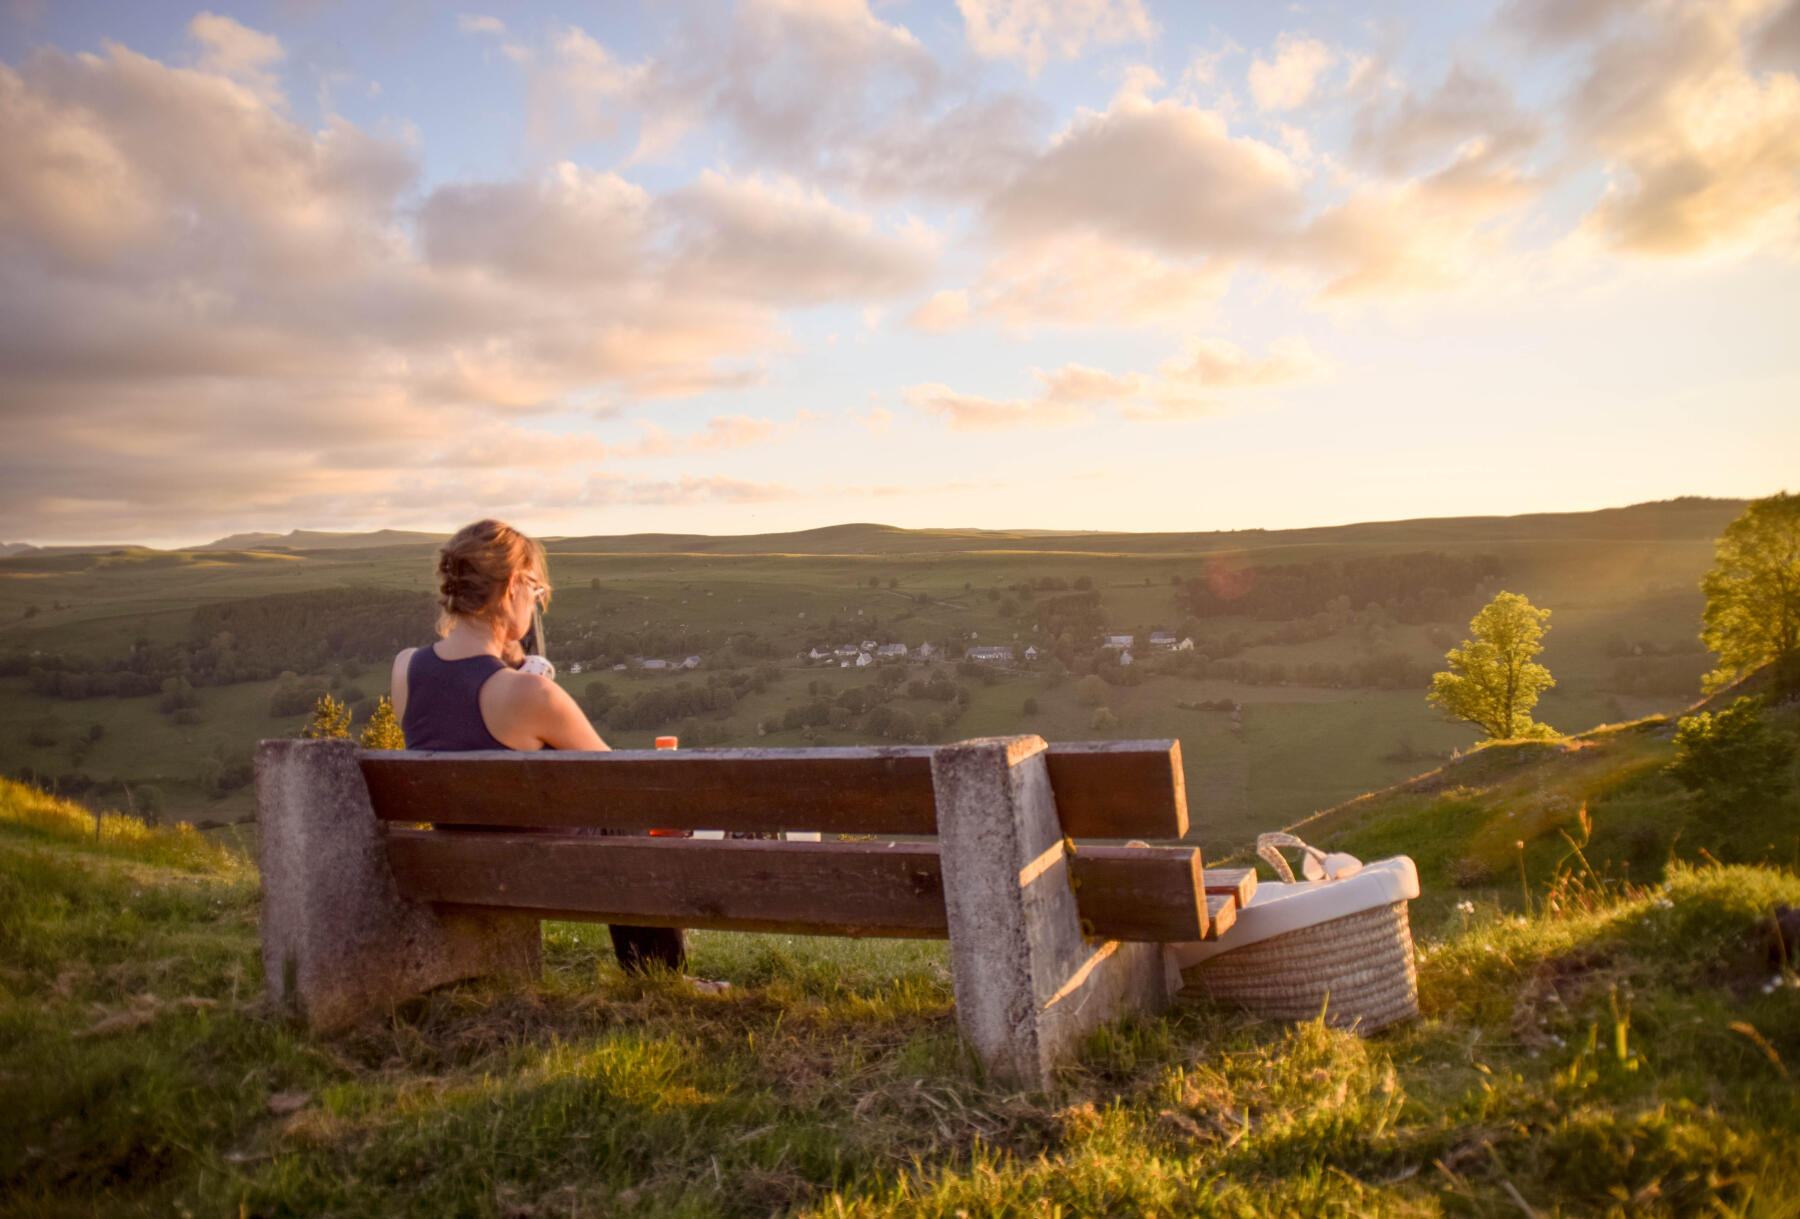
(1466, 907)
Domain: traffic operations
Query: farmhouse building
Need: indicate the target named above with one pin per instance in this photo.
(990, 654)
(1116, 642)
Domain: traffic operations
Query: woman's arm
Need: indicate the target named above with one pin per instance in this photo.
(537, 712)
(397, 683)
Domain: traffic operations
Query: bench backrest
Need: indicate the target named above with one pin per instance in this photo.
(1106, 789)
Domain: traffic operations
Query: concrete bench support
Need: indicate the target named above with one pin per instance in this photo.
(1029, 986)
(338, 939)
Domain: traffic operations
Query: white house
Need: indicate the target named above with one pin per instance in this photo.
(653, 663)
(891, 651)
(991, 654)
(869, 645)
(1031, 653)
(863, 660)
(692, 662)
(1162, 639)
(847, 652)
(1186, 645)
(818, 654)
(1116, 642)
(926, 651)
(1125, 656)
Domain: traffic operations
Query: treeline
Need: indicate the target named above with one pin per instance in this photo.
(870, 709)
(1384, 671)
(667, 704)
(1428, 586)
(254, 639)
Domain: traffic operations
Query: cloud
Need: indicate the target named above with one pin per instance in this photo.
(1467, 106)
(970, 413)
(1703, 152)
(721, 432)
(945, 310)
(1160, 173)
(774, 240)
(475, 23)
(238, 53)
(1183, 388)
(186, 272)
(1287, 81)
(1777, 45)
(1036, 31)
(691, 489)
(573, 225)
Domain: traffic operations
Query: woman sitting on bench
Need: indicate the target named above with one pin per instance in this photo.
(465, 691)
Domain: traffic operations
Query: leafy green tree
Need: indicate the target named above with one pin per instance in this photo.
(330, 719)
(1734, 758)
(383, 730)
(1753, 593)
(1493, 682)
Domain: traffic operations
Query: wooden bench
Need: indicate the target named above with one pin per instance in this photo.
(983, 843)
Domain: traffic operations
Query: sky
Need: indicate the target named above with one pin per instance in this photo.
(1009, 264)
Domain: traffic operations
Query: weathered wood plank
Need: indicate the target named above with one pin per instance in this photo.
(824, 888)
(837, 791)
(1140, 893)
(1239, 883)
(1221, 913)
(1119, 789)
(1109, 789)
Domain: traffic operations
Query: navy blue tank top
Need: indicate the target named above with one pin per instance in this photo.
(443, 702)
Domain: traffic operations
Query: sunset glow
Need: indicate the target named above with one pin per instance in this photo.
(778, 264)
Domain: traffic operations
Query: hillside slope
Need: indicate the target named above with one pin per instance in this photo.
(1511, 814)
(1626, 1055)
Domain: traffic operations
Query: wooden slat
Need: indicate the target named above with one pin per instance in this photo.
(1119, 789)
(1237, 883)
(1108, 789)
(837, 791)
(819, 888)
(1148, 893)
(1221, 913)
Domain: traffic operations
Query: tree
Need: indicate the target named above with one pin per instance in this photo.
(1753, 593)
(330, 719)
(1493, 682)
(383, 730)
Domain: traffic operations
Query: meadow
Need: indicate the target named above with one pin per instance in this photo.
(1596, 1039)
(1263, 747)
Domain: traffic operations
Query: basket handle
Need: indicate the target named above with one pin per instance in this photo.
(1314, 863)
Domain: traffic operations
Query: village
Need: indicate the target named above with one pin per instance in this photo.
(873, 652)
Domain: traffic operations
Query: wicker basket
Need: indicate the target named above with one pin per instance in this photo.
(1355, 969)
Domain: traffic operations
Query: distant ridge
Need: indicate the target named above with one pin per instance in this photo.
(1689, 518)
(309, 539)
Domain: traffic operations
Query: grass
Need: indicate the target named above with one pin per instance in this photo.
(1618, 1050)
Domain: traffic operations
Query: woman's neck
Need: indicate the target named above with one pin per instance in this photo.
(472, 637)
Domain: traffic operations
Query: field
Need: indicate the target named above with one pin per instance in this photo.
(1622, 586)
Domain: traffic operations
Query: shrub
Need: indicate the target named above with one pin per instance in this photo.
(1091, 690)
(1735, 758)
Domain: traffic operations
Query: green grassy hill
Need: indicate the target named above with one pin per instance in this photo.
(1503, 820)
(1619, 1050)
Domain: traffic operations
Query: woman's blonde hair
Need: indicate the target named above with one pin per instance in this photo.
(475, 566)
